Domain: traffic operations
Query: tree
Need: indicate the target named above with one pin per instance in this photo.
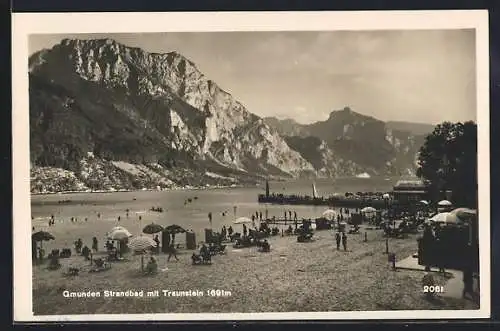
(448, 161)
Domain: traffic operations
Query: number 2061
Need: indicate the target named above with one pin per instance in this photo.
(433, 289)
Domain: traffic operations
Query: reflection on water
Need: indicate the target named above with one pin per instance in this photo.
(177, 208)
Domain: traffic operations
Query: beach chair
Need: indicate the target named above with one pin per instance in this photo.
(207, 259)
(222, 249)
(100, 265)
(197, 259)
(54, 263)
(71, 272)
(65, 253)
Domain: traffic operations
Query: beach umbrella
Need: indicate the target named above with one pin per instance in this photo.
(141, 243)
(119, 228)
(464, 213)
(368, 210)
(42, 236)
(119, 234)
(445, 217)
(174, 228)
(423, 202)
(243, 220)
(444, 203)
(330, 214)
(152, 228)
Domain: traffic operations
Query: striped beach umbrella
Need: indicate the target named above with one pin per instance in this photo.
(141, 243)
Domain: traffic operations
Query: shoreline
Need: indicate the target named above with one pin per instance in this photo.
(142, 190)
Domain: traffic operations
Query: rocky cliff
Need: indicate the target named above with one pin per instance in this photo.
(110, 116)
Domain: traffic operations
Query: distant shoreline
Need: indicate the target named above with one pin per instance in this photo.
(142, 190)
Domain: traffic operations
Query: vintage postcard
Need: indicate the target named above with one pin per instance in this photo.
(251, 166)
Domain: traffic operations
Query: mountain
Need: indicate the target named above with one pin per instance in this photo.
(412, 128)
(104, 116)
(358, 142)
(287, 127)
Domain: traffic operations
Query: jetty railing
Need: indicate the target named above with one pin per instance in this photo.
(335, 201)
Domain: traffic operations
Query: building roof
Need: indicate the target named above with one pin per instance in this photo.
(409, 184)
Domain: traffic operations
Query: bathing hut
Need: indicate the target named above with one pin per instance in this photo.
(409, 191)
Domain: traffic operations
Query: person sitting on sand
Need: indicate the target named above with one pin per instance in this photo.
(108, 245)
(204, 251)
(152, 266)
(265, 246)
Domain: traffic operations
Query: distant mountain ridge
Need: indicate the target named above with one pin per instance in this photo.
(369, 144)
(104, 116)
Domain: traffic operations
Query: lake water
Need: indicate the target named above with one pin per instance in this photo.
(176, 210)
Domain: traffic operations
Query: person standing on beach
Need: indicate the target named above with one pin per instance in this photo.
(224, 232)
(344, 241)
(119, 218)
(95, 244)
(157, 241)
(468, 283)
(172, 252)
(260, 215)
(244, 230)
(337, 239)
(295, 215)
(285, 214)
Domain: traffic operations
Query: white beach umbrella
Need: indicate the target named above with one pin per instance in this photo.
(464, 214)
(368, 210)
(330, 214)
(423, 202)
(444, 203)
(116, 228)
(119, 234)
(445, 217)
(243, 220)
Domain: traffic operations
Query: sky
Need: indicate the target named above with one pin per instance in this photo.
(424, 76)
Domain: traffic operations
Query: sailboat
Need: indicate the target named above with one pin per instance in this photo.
(315, 192)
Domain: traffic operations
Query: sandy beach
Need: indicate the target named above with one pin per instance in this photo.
(292, 277)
